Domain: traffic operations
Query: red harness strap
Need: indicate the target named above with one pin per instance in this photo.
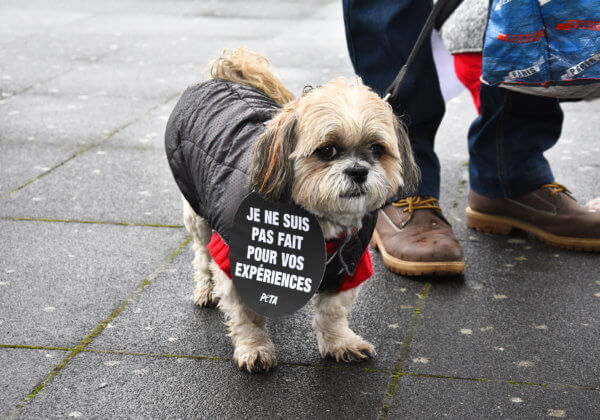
(220, 252)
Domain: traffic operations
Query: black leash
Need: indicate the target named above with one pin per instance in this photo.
(440, 12)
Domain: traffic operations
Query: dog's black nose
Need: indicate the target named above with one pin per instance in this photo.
(358, 173)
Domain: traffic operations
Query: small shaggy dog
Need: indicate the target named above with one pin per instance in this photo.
(338, 151)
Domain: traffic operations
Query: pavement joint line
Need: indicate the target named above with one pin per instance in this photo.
(38, 83)
(546, 385)
(113, 147)
(24, 90)
(88, 339)
(123, 147)
(72, 156)
(29, 347)
(89, 147)
(338, 366)
(192, 356)
(229, 360)
(90, 222)
(399, 367)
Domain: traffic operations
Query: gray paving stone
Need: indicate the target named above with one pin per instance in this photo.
(581, 107)
(521, 313)
(104, 184)
(22, 163)
(147, 133)
(582, 179)
(34, 61)
(22, 369)
(173, 50)
(575, 157)
(15, 79)
(131, 80)
(578, 140)
(270, 9)
(132, 387)
(58, 281)
(67, 120)
(165, 320)
(39, 7)
(434, 398)
(135, 24)
(60, 47)
(19, 21)
(452, 189)
(451, 139)
(299, 66)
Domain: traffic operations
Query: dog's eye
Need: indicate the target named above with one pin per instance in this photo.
(377, 150)
(327, 152)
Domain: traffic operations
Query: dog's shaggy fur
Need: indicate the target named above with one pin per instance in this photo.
(339, 152)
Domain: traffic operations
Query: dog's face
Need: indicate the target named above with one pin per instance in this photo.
(338, 151)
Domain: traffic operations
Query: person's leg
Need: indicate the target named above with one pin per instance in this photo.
(507, 142)
(380, 36)
(411, 233)
(512, 185)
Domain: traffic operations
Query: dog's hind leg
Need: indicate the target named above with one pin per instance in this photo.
(334, 336)
(253, 349)
(201, 233)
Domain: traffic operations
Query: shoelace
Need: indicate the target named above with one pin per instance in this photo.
(556, 188)
(417, 202)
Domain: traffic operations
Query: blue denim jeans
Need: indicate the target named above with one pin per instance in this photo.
(506, 142)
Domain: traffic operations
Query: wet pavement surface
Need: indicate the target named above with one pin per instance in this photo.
(96, 316)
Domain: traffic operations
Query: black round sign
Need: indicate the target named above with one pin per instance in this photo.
(277, 255)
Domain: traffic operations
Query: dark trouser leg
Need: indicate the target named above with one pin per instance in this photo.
(507, 142)
(380, 36)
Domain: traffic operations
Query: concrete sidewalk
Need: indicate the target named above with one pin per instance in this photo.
(96, 318)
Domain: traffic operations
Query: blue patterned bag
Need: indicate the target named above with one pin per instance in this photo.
(544, 47)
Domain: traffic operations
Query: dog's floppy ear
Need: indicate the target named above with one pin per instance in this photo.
(272, 170)
(409, 169)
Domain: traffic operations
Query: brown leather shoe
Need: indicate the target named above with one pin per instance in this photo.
(550, 213)
(415, 240)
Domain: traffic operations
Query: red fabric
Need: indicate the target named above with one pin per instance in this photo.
(467, 67)
(220, 252)
(364, 270)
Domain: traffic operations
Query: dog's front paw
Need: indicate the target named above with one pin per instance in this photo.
(255, 359)
(204, 296)
(351, 348)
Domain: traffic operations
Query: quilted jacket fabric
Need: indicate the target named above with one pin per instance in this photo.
(209, 139)
(464, 30)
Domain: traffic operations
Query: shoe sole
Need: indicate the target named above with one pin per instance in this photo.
(502, 225)
(415, 268)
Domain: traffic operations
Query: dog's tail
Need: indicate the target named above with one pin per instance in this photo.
(248, 68)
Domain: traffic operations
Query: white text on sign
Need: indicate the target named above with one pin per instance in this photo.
(271, 217)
